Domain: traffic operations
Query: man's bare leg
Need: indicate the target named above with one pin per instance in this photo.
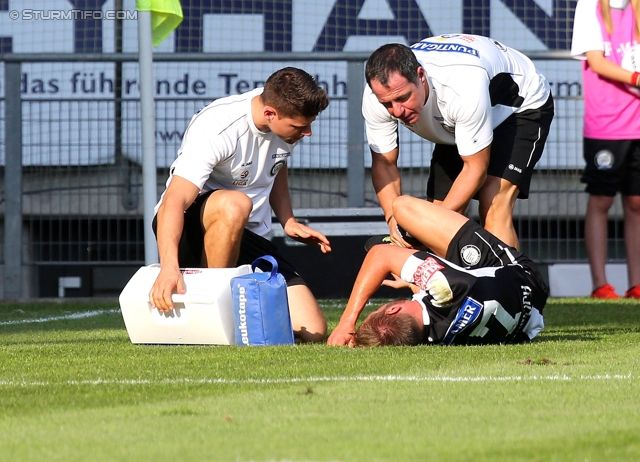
(224, 217)
(430, 223)
(497, 200)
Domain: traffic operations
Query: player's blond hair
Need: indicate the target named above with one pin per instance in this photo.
(381, 329)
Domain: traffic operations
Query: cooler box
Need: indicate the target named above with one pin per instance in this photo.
(202, 316)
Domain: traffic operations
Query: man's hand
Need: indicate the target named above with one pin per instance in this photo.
(399, 283)
(342, 335)
(396, 237)
(296, 230)
(168, 282)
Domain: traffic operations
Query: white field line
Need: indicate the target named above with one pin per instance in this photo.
(366, 378)
(81, 315)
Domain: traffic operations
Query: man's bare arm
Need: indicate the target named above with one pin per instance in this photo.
(379, 262)
(280, 200)
(469, 181)
(388, 185)
(170, 221)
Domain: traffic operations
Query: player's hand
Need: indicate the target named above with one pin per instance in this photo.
(397, 282)
(302, 233)
(168, 282)
(438, 287)
(396, 237)
(342, 335)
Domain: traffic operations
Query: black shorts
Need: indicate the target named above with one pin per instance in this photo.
(613, 166)
(252, 246)
(516, 148)
(474, 247)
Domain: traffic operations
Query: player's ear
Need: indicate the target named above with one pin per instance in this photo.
(269, 113)
(394, 309)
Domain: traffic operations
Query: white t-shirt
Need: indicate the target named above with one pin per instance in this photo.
(475, 83)
(223, 149)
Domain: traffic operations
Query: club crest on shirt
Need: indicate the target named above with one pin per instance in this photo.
(425, 271)
(277, 166)
(448, 128)
(604, 160)
(470, 255)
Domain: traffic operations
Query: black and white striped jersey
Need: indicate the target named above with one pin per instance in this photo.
(500, 300)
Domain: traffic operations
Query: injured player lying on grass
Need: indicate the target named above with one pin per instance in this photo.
(469, 287)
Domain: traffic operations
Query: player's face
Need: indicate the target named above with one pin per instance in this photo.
(402, 98)
(291, 129)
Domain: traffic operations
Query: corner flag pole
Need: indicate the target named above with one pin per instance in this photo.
(156, 20)
(148, 123)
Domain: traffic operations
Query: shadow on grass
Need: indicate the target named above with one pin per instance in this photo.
(585, 334)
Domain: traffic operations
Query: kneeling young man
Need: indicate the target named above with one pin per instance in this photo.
(229, 177)
(469, 288)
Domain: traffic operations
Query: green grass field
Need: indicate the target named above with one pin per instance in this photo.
(73, 388)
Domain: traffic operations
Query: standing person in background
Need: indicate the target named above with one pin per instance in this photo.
(485, 106)
(603, 32)
(229, 176)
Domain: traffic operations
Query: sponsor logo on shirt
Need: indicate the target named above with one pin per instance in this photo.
(464, 38)
(604, 160)
(526, 298)
(241, 179)
(425, 271)
(470, 255)
(467, 314)
(513, 167)
(446, 48)
(280, 154)
(190, 271)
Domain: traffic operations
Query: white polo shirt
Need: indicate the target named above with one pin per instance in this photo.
(223, 149)
(475, 83)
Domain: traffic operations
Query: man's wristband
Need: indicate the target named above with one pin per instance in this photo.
(389, 219)
(635, 77)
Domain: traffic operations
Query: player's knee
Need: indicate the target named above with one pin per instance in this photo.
(402, 207)
(632, 204)
(235, 207)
